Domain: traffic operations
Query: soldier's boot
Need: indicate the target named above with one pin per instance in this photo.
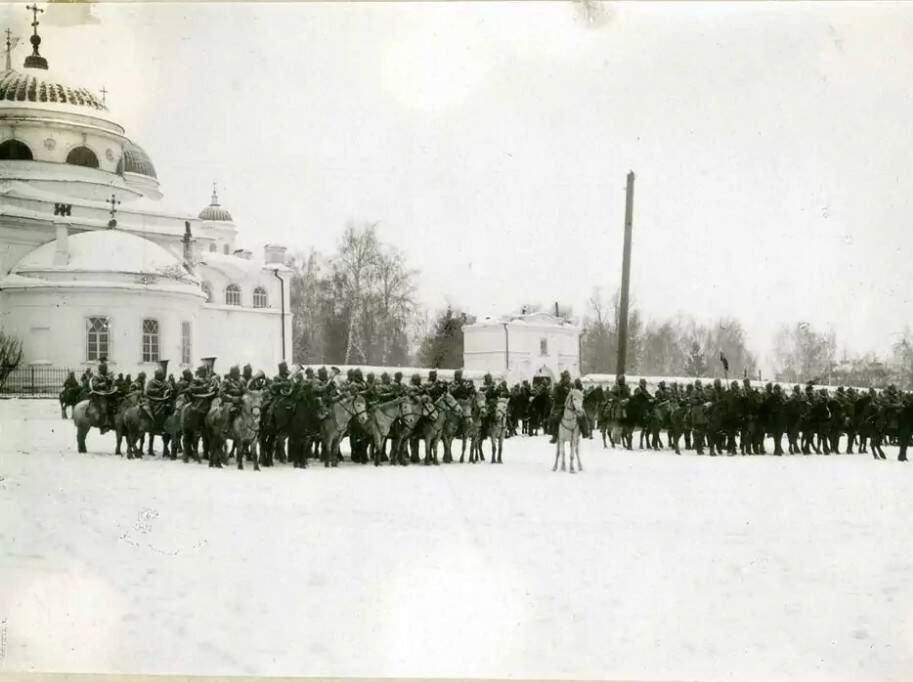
(553, 430)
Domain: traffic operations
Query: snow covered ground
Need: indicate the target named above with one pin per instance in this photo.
(645, 566)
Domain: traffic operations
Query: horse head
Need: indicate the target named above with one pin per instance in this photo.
(574, 401)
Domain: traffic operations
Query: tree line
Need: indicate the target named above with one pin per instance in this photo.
(358, 305)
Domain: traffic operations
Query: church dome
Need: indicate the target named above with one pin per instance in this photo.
(214, 211)
(104, 251)
(43, 87)
(135, 160)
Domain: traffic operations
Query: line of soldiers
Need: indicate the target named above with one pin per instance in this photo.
(156, 394)
(727, 418)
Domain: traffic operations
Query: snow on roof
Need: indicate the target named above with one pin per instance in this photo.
(105, 251)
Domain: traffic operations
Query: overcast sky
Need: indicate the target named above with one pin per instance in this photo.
(771, 143)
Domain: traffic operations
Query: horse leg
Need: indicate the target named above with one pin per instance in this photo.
(559, 446)
(151, 452)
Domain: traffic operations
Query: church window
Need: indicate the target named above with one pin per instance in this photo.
(225, 249)
(82, 156)
(185, 343)
(207, 289)
(97, 329)
(14, 150)
(260, 300)
(233, 294)
(150, 341)
(543, 346)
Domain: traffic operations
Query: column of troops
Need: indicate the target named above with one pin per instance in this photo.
(721, 419)
(306, 411)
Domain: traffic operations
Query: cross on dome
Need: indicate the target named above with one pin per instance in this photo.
(35, 60)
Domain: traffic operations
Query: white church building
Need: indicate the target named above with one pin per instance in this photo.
(522, 346)
(91, 266)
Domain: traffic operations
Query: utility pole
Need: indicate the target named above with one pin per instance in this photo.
(625, 278)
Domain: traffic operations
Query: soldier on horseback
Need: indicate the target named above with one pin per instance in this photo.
(231, 391)
(102, 390)
(559, 396)
(157, 396)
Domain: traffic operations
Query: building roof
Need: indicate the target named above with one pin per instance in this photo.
(105, 251)
(44, 87)
(136, 160)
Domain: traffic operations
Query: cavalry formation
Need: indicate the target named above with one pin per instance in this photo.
(301, 414)
(295, 416)
(729, 419)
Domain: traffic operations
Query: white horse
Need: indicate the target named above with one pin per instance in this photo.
(569, 429)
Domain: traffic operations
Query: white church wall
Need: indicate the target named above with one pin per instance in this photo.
(240, 335)
(52, 325)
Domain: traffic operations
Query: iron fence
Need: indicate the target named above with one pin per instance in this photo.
(38, 382)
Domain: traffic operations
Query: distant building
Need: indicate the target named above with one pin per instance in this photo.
(92, 265)
(522, 346)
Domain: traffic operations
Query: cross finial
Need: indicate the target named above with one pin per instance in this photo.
(215, 196)
(114, 201)
(104, 94)
(35, 60)
(11, 42)
(34, 9)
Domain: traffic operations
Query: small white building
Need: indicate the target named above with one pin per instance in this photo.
(522, 346)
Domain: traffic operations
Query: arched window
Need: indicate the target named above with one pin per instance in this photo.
(212, 247)
(14, 150)
(82, 156)
(150, 341)
(207, 289)
(225, 249)
(260, 300)
(232, 295)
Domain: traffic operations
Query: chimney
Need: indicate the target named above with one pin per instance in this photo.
(273, 253)
(556, 309)
(62, 252)
(244, 253)
(188, 246)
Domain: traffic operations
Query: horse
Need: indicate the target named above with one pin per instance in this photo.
(540, 407)
(390, 419)
(569, 429)
(435, 417)
(245, 428)
(275, 424)
(660, 417)
(300, 421)
(87, 414)
(453, 428)
(473, 412)
(334, 425)
(70, 397)
(193, 426)
(138, 422)
(497, 425)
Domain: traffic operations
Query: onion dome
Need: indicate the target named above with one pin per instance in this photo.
(135, 160)
(215, 211)
(41, 87)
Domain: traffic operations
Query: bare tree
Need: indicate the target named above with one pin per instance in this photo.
(10, 356)
(358, 253)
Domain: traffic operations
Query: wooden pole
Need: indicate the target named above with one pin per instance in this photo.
(625, 278)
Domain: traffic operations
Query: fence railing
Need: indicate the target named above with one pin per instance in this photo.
(39, 381)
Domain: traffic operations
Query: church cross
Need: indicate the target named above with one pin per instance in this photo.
(104, 94)
(11, 42)
(34, 9)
